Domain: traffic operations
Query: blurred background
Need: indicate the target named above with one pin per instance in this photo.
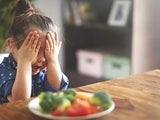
(104, 39)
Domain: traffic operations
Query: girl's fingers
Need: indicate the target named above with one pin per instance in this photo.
(50, 39)
(59, 44)
(56, 37)
(47, 45)
(55, 40)
(27, 39)
(31, 41)
(38, 46)
(34, 41)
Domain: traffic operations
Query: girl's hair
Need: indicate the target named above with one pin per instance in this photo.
(24, 18)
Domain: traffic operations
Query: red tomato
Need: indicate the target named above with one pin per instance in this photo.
(94, 109)
(79, 108)
(57, 112)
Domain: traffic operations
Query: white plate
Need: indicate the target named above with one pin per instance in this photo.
(35, 109)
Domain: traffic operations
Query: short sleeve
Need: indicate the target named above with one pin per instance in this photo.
(6, 83)
(64, 84)
(5, 90)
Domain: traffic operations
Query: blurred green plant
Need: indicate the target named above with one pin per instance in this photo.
(5, 21)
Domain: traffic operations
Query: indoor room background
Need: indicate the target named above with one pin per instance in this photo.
(96, 47)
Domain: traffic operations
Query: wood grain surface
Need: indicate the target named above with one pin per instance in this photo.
(137, 97)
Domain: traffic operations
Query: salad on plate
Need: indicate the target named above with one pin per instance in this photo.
(72, 104)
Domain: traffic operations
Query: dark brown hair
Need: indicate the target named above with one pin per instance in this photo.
(25, 17)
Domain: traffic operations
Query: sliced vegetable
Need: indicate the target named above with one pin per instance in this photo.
(79, 108)
(57, 112)
(84, 96)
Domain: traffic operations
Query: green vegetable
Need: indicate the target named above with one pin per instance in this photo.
(64, 103)
(70, 91)
(101, 98)
(70, 94)
(61, 100)
(50, 101)
(46, 101)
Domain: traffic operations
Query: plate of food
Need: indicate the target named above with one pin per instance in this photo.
(71, 105)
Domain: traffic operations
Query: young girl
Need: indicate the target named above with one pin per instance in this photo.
(32, 66)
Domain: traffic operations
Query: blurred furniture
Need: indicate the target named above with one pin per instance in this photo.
(93, 32)
(136, 97)
(146, 37)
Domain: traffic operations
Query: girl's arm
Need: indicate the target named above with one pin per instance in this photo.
(53, 45)
(24, 56)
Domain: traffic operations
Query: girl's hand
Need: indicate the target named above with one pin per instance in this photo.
(53, 46)
(29, 49)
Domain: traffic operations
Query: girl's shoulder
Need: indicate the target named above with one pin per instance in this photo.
(8, 63)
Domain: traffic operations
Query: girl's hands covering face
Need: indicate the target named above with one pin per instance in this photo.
(53, 46)
(30, 48)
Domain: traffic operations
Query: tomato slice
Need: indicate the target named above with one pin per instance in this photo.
(79, 108)
(95, 109)
(57, 112)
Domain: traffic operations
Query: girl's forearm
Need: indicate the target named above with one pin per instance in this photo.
(22, 86)
(54, 74)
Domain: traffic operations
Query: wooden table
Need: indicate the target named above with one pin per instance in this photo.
(137, 97)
